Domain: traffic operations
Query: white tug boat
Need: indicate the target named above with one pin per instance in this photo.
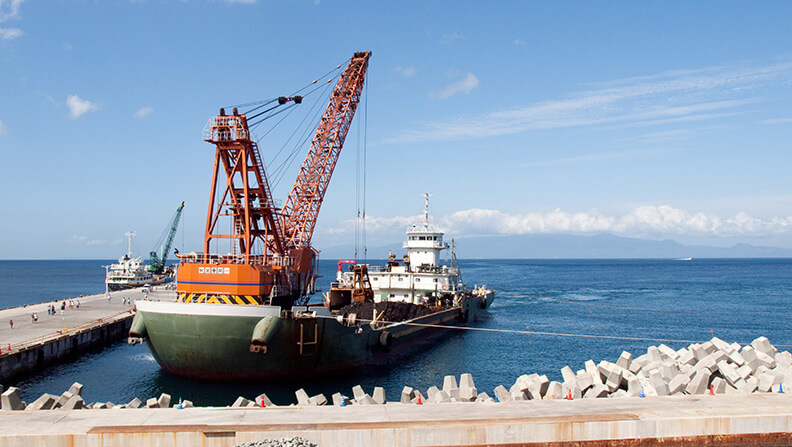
(418, 278)
(129, 272)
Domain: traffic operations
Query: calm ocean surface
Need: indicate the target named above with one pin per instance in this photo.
(738, 299)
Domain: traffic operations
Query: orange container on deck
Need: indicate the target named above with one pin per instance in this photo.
(224, 279)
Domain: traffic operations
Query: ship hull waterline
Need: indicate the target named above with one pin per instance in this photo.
(213, 341)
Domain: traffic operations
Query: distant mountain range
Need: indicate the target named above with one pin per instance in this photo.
(561, 246)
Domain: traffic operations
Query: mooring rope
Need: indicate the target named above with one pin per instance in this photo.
(529, 332)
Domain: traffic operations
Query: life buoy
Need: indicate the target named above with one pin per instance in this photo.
(445, 286)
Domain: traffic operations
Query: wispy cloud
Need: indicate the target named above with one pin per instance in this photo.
(464, 85)
(519, 42)
(144, 111)
(84, 240)
(78, 106)
(49, 98)
(616, 155)
(452, 37)
(241, 2)
(674, 96)
(643, 221)
(407, 72)
(779, 121)
(9, 9)
(2, 128)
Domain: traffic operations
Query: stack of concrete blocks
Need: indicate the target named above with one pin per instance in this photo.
(360, 397)
(240, 402)
(10, 400)
(714, 366)
(164, 401)
(462, 391)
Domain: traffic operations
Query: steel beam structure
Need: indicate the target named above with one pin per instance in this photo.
(305, 199)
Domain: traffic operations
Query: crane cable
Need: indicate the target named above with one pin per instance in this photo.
(529, 332)
(269, 101)
(360, 177)
(308, 131)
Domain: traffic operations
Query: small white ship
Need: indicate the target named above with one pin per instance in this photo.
(129, 272)
(418, 278)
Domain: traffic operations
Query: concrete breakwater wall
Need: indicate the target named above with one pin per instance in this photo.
(64, 345)
(711, 393)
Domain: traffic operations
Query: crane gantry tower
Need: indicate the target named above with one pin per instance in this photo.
(271, 259)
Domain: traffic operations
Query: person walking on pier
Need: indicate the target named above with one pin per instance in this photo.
(11, 322)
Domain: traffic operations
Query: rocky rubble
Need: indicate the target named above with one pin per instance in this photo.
(283, 442)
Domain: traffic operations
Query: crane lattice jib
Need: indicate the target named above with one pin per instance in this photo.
(305, 199)
(157, 264)
(246, 196)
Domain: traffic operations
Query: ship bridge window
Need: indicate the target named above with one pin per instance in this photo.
(417, 279)
(435, 280)
(375, 279)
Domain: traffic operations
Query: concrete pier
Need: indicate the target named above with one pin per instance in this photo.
(672, 420)
(30, 346)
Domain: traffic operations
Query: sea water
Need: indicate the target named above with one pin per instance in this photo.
(578, 304)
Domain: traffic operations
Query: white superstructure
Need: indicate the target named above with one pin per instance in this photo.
(129, 272)
(417, 278)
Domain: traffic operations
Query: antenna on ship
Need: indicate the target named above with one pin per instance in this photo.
(129, 235)
(426, 211)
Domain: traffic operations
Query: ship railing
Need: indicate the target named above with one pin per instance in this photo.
(225, 128)
(202, 258)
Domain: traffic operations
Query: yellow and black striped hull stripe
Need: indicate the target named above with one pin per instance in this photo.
(250, 300)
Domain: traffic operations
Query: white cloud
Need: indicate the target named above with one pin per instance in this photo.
(83, 240)
(779, 121)
(407, 72)
(465, 85)
(451, 37)
(519, 42)
(674, 96)
(2, 128)
(10, 33)
(144, 111)
(643, 221)
(9, 9)
(615, 155)
(78, 106)
(648, 220)
(241, 2)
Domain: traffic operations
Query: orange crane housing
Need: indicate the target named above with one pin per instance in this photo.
(272, 260)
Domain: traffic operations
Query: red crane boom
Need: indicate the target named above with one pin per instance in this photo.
(305, 199)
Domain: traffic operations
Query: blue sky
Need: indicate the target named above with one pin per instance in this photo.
(644, 119)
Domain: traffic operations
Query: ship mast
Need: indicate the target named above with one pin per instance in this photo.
(129, 235)
(426, 211)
